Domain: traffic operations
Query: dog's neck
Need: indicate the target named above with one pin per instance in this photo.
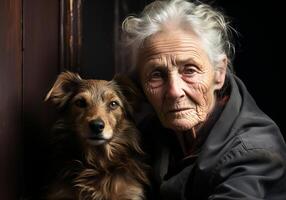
(104, 156)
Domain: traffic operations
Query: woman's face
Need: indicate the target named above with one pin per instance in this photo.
(178, 78)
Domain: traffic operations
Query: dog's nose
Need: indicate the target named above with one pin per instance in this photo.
(97, 126)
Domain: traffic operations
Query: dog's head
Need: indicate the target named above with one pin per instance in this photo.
(93, 108)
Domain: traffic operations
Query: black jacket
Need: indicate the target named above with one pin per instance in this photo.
(242, 157)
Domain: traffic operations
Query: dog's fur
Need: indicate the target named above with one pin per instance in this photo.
(98, 139)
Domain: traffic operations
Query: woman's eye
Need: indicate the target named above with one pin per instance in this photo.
(81, 103)
(189, 70)
(113, 105)
(156, 75)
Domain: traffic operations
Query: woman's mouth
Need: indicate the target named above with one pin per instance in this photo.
(177, 110)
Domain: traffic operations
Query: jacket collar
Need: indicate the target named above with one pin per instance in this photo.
(222, 132)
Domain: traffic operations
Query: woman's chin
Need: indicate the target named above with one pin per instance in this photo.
(179, 125)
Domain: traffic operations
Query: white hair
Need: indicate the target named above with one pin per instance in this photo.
(208, 24)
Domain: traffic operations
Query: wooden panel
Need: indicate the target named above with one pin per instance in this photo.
(40, 67)
(10, 99)
(71, 34)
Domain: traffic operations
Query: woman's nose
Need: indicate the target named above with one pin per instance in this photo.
(175, 87)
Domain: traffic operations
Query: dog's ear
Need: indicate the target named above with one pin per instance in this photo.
(62, 90)
(130, 91)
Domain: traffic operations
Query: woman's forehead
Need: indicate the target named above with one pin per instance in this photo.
(171, 38)
(177, 45)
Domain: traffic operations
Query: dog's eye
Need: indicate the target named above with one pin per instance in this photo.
(113, 105)
(80, 103)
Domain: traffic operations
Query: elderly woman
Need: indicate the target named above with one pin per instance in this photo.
(208, 139)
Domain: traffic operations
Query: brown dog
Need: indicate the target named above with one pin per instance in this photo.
(102, 161)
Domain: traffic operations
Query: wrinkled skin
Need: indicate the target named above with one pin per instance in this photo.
(179, 79)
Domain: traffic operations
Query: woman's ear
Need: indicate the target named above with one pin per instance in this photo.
(220, 73)
(63, 88)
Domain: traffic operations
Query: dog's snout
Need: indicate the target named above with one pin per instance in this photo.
(97, 126)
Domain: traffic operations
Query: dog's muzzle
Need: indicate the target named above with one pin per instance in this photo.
(96, 126)
(96, 136)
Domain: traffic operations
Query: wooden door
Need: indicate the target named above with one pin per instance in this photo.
(10, 95)
(40, 66)
(29, 63)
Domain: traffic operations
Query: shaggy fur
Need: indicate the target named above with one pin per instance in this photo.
(98, 143)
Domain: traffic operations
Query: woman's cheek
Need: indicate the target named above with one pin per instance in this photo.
(197, 93)
(152, 93)
(149, 90)
(202, 95)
